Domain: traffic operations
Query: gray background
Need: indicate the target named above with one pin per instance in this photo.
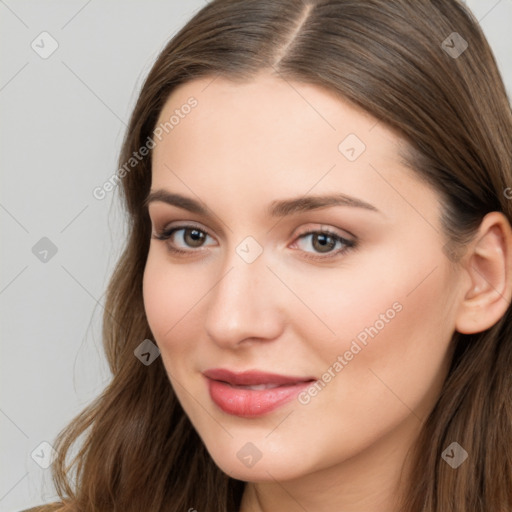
(63, 119)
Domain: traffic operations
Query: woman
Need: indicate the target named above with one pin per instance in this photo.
(312, 309)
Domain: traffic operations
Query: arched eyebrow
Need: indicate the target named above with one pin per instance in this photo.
(277, 208)
(285, 207)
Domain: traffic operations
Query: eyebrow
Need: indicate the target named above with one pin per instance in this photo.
(278, 208)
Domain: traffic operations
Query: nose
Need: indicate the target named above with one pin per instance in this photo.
(245, 305)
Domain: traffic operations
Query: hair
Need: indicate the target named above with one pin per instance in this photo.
(138, 449)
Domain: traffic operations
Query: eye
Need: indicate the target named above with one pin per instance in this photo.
(191, 236)
(326, 242)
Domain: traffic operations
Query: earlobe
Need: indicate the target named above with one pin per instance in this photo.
(488, 264)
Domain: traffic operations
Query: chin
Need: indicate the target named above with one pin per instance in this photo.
(247, 462)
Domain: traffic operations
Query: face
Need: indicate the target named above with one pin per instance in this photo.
(300, 332)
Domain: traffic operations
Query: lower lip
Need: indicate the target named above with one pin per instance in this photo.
(249, 403)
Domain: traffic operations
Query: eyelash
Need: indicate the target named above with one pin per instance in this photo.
(165, 235)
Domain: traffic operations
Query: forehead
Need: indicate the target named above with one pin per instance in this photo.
(274, 111)
(274, 138)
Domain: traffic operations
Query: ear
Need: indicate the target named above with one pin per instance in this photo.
(488, 263)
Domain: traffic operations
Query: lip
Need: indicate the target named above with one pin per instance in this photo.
(229, 392)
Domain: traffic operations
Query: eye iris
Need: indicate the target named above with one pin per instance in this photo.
(327, 242)
(196, 236)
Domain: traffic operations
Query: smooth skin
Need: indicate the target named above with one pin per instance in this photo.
(244, 146)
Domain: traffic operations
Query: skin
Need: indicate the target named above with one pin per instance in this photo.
(244, 146)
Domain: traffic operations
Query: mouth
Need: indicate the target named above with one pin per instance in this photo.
(252, 393)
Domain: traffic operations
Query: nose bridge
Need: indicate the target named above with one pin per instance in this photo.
(242, 303)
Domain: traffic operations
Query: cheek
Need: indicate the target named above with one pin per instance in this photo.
(390, 329)
(170, 296)
(335, 306)
(394, 344)
(388, 300)
(386, 365)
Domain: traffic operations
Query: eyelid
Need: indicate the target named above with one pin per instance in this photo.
(302, 231)
(178, 224)
(325, 228)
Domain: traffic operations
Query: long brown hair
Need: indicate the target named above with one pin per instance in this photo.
(400, 61)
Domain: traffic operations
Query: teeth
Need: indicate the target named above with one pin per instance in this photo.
(258, 387)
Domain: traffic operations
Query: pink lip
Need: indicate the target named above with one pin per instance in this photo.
(226, 393)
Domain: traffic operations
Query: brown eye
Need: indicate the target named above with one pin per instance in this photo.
(188, 239)
(193, 237)
(323, 242)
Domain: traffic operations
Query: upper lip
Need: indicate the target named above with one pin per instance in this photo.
(252, 377)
